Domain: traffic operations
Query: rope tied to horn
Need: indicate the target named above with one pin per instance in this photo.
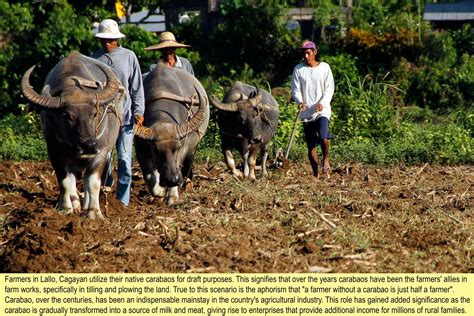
(188, 117)
(190, 113)
(101, 116)
(188, 102)
(260, 108)
(97, 112)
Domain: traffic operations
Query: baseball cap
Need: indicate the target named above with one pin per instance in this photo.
(308, 45)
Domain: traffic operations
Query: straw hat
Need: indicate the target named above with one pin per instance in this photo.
(166, 39)
(108, 28)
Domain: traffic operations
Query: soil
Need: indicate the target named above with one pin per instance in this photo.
(360, 219)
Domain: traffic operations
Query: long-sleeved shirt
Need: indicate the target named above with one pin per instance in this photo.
(127, 68)
(181, 62)
(184, 63)
(313, 85)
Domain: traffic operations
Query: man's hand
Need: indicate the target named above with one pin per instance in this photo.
(319, 107)
(139, 119)
(302, 106)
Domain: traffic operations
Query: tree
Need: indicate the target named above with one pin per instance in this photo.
(41, 33)
(252, 34)
(38, 33)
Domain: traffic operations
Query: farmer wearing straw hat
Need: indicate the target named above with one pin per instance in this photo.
(127, 68)
(312, 88)
(167, 45)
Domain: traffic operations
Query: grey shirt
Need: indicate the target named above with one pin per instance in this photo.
(184, 63)
(127, 68)
(181, 62)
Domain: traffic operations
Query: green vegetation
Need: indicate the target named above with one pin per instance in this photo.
(21, 138)
(404, 92)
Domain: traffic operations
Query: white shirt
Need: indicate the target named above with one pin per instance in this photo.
(313, 85)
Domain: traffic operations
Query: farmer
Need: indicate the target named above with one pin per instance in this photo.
(167, 45)
(125, 64)
(312, 88)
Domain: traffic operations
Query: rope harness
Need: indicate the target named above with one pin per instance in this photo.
(261, 113)
(108, 108)
(188, 102)
(100, 116)
(171, 96)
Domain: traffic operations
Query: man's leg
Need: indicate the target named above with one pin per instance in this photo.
(324, 136)
(124, 157)
(313, 160)
(325, 150)
(310, 135)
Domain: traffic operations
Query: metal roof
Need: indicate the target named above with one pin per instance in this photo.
(460, 11)
(154, 23)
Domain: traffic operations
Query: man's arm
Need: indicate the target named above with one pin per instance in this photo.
(296, 90)
(137, 94)
(328, 88)
(187, 65)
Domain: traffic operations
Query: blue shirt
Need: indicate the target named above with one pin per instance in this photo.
(127, 68)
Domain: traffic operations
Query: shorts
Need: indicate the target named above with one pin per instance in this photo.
(316, 131)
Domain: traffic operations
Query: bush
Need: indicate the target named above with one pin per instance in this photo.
(445, 143)
(439, 78)
(21, 138)
(440, 87)
(136, 40)
(366, 111)
(344, 69)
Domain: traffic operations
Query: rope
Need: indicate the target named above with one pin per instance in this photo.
(143, 131)
(97, 110)
(146, 132)
(108, 106)
(170, 96)
(188, 116)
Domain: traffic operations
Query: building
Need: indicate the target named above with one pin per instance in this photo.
(208, 11)
(449, 15)
(179, 11)
(149, 21)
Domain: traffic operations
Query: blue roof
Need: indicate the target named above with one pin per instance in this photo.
(459, 11)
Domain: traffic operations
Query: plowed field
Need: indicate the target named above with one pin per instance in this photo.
(361, 219)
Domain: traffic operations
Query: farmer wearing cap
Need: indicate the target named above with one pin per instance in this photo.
(127, 68)
(167, 45)
(312, 88)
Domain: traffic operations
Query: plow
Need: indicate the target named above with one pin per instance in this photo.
(281, 158)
